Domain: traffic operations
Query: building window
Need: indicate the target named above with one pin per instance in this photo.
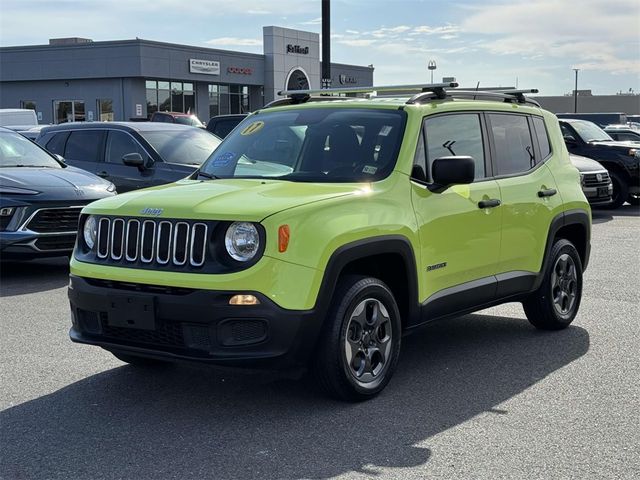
(28, 104)
(105, 110)
(65, 111)
(170, 97)
(225, 99)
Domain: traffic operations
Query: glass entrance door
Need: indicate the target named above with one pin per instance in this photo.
(65, 111)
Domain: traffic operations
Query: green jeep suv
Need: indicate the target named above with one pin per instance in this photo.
(325, 228)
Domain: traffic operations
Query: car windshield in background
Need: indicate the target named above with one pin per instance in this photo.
(312, 145)
(590, 132)
(187, 147)
(18, 151)
(191, 121)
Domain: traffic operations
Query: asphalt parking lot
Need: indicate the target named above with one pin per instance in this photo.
(482, 396)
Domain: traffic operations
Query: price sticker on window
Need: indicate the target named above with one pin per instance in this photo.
(252, 128)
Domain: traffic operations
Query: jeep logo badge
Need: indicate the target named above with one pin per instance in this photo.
(152, 212)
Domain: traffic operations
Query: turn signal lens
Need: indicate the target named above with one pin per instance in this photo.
(283, 238)
(244, 300)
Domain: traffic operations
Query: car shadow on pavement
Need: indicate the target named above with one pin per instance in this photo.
(195, 422)
(20, 278)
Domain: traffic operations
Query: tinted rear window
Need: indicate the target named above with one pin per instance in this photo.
(84, 146)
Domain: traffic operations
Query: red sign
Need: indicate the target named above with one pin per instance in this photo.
(240, 70)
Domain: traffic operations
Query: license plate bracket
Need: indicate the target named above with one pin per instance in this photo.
(603, 191)
(127, 311)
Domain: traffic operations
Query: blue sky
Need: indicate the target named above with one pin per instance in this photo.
(493, 42)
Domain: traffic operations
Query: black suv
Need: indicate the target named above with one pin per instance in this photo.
(221, 125)
(131, 155)
(622, 160)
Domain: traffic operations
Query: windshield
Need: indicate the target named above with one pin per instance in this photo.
(191, 120)
(311, 144)
(18, 151)
(190, 146)
(589, 131)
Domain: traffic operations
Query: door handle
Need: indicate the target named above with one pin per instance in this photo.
(549, 192)
(494, 202)
(102, 174)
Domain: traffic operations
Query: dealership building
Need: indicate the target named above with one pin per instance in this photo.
(74, 79)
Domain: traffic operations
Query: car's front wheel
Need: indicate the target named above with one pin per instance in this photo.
(555, 304)
(620, 190)
(360, 342)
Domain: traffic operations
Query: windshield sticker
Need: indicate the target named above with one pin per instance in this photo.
(369, 169)
(224, 159)
(252, 128)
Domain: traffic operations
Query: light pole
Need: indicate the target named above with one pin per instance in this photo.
(431, 65)
(575, 92)
(326, 44)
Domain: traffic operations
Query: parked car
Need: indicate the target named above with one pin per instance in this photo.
(132, 155)
(595, 180)
(318, 233)
(601, 119)
(623, 133)
(31, 132)
(177, 117)
(621, 159)
(221, 125)
(17, 117)
(40, 199)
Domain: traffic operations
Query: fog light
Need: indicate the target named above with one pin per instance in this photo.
(244, 300)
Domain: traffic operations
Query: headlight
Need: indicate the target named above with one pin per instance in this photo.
(242, 241)
(90, 231)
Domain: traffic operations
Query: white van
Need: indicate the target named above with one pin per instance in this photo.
(17, 117)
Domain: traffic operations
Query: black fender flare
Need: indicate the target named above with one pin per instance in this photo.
(386, 244)
(563, 219)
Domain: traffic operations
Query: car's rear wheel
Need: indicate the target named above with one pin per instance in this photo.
(633, 199)
(620, 190)
(555, 304)
(359, 346)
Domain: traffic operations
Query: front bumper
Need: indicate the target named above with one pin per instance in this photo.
(189, 324)
(27, 244)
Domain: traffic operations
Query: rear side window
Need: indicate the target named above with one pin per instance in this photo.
(84, 146)
(513, 146)
(57, 143)
(120, 144)
(455, 135)
(543, 137)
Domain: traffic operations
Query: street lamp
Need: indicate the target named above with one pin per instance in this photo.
(431, 65)
(575, 92)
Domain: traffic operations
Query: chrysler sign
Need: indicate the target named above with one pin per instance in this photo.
(206, 67)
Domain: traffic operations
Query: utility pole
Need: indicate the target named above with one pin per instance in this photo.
(575, 92)
(326, 44)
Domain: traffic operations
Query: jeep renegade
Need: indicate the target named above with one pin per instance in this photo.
(324, 228)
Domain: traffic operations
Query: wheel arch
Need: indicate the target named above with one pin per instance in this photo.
(388, 258)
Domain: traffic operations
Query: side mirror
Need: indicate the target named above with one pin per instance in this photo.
(136, 160)
(60, 158)
(570, 140)
(448, 171)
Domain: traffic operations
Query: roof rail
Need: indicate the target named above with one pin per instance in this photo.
(296, 99)
(427, 87)
(506, 95)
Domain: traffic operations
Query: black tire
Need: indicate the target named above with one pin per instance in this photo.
(545, 308)
(620, 190)
(633, 199)
(139, 361)
(334, 372)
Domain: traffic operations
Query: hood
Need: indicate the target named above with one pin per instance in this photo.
(615, 144)
(224, 199)
(60, 182)
(584, 164)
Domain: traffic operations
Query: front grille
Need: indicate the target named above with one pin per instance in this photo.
(166, 333)
(57, 242)
(148, 242)
(52, 220)
(591, 179)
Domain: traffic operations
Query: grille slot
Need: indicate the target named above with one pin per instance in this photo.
(54, 220)
(152, 242)
(591, 179)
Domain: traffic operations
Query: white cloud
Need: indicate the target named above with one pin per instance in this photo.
(234, 42)
(259, 12)
(357, 42)
(425, 29)
(315, 21)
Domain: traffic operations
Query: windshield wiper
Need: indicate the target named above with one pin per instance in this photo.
(207, 175)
